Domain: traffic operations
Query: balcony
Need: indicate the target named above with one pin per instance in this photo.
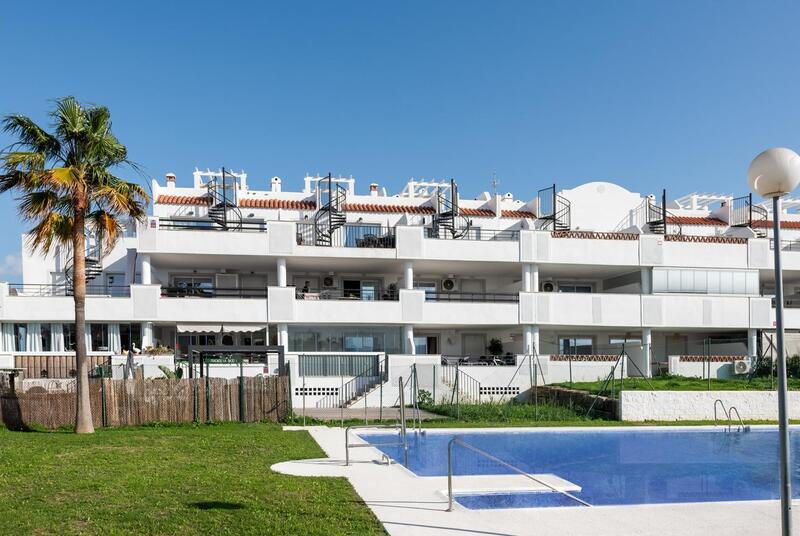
(579, 309)
(203, 224)
(472, 296)
(111, 291)
(355, 294)
(213, 292)
(349, 236)
(474, 233)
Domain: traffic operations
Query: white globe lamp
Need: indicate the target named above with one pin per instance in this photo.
(773, 174)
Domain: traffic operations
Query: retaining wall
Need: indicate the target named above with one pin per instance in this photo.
(699, 405)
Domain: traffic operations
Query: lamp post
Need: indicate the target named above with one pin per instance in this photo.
(773, 174)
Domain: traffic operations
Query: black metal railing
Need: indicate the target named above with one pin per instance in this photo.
(113, 291)
(213, 292)
(746, 214)
(786, 245)
(350, 236)
(472, 296)
(659, 219)
(479, 360)
(388, 294)
(198, 224)
(554, 210)
(476, 233)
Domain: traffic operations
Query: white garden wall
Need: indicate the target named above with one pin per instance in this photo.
(699, 405)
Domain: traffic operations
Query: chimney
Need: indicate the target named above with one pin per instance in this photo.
(170, 180)
(276, 184)
(373, 189)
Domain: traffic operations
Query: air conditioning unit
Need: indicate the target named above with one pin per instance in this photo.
(328, 281)
(448, 284)
(742, 366)
(547, 286)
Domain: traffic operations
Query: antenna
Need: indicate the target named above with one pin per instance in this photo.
(495, 182)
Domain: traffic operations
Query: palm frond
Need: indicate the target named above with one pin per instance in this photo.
(106, 227)
(53, 229)
(38, 204)
(31, 136)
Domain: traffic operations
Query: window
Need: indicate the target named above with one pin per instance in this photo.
(193, 284)
(575, 345)
(426, 344)
(691, 281)
(314, 338)
(46, 346)
(20, 337)
(69, 336)
(254, 338)
(428, 287)
(130, 335)
(575, 287)
(99, 337)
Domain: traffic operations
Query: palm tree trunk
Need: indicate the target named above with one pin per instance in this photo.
(83, 417)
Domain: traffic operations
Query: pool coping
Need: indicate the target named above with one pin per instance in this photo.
(408, 504)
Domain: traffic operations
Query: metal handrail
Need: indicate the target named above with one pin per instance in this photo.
(348, 446)
(459, 441)
(740, 427)
(724, 411)
(472, 296)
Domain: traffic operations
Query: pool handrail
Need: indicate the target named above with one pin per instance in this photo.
(459, 441)
(401, 426)
(724, 411)
(739, 427)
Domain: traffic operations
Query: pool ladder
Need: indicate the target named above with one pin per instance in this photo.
(727, 413)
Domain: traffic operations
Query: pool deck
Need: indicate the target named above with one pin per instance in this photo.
(410, 505)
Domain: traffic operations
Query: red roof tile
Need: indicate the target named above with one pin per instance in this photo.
(392, 209)
(477, 212)
(277, 203)
(696, 220)
(784, 224)
(517, 214)
(182, 200)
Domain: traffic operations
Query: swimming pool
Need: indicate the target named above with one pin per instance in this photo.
(612, 467)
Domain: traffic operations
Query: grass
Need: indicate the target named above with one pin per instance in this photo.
(681, 383)
(208, 479)
(508, 413)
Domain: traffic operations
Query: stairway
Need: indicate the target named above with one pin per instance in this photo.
(331, 215)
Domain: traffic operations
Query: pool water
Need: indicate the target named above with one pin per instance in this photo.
(613, 467)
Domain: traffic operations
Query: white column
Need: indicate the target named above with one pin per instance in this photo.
(752, 343)
(647, 349)
(535, 278)
(408, 276)
(281, 272)
(130, 266)
(526, 278)
(283, 336)
(408, 339)
(535, 340)
(147, 335)
(647, 280)
(527, 339)
(147, 276)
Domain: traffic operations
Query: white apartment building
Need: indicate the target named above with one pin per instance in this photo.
(331, 271)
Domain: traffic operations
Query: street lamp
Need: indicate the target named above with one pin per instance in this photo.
(774, 173)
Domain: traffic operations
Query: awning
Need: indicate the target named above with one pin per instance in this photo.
(219, 327)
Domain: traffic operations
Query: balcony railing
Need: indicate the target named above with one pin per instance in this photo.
(472, 296)
(350, 236)
(786, 245)
(213, 292)
(201, 224)
(342, 294)
(113, 291)
(473, 233)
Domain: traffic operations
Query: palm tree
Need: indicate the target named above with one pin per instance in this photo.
(67, 190)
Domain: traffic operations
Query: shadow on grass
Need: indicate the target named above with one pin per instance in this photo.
(217, 505)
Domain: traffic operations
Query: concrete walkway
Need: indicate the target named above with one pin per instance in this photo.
(409, 505)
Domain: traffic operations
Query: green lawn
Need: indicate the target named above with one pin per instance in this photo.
(680, 383)
(171, 480)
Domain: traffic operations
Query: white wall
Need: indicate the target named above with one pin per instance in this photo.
(699, 405)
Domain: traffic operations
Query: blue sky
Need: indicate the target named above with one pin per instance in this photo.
(648, 94)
